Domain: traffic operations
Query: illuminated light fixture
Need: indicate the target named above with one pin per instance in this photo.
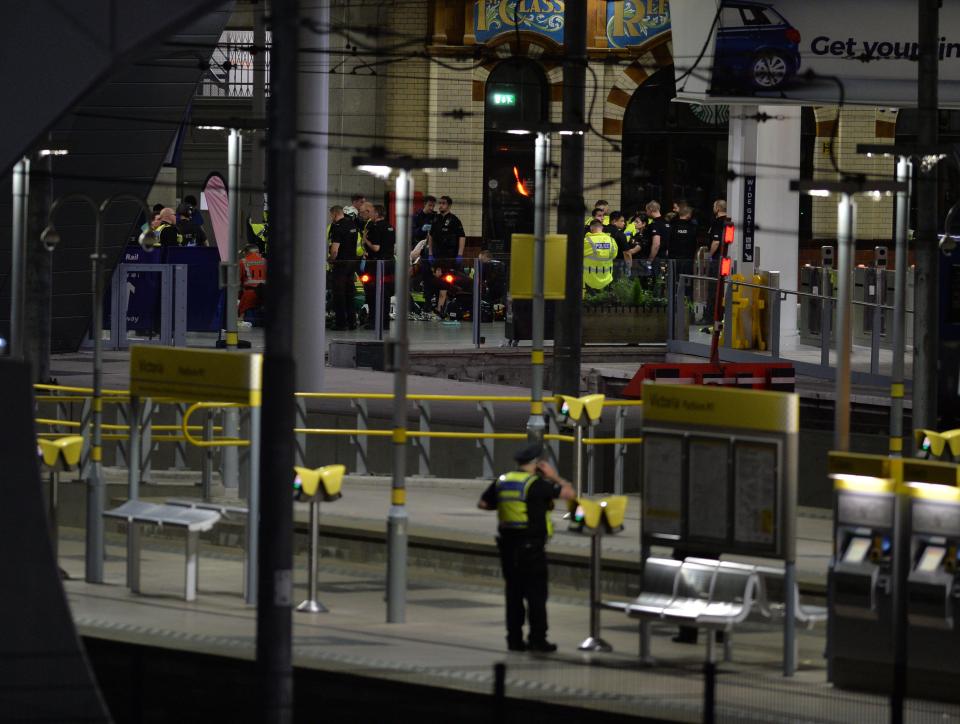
(364, 278)
(448, 278)
(377, 170)
(818, 192)
(44, 152)
(933, 491)
(725, 266)
(863, 483)
(518, 132)
(850, 186)
(211, 128)
(521, 186)
(570, 133)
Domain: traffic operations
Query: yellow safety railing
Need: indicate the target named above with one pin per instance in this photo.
(220, 442)
(83, 393)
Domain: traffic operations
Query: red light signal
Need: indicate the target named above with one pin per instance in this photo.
(448, 279)
(725, 265)
(364, 278)
(728, 234)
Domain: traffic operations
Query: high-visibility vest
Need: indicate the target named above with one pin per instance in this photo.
(512, 489)
(253, 271)
(599, 251)
(606, 220)
(159, 230)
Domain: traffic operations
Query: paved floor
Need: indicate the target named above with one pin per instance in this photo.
(462, 652)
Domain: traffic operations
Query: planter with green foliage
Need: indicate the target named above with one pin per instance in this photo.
(624, 312)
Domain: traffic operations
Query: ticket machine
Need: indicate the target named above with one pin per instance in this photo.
(933, 583)
(861, 646)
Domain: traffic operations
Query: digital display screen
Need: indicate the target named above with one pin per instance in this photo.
(931, 559)
(857, 550)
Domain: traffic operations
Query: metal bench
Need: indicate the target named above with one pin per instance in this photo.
(806, 614)
(193, 521)
(697, 592)
(224, 509)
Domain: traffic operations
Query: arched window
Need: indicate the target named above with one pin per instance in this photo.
(517, 93)
(672, 151)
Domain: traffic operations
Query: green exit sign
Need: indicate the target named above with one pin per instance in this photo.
(504, 99)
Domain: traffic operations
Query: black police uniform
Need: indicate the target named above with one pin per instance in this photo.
(523, 560)
(342, 272)
(382, 234)
(683, 245)
(657, 227)
(446, 231)
(193, 234)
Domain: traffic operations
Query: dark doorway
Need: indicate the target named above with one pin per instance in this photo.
(672, 151)
(948, 175)
(516, 95)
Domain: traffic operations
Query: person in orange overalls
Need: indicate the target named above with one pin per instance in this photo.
(253, 275)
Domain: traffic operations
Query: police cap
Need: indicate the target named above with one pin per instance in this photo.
(528, 454)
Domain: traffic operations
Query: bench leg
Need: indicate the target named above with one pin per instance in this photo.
(192, 567)
(133, 557)
(645, 657)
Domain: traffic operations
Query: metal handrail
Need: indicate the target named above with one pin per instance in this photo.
(467, 435)
(222, 442)
(787, 291)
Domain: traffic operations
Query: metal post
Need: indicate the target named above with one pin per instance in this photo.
(899, 311)
(535, 424)
(487, 445)
(826, 315)
(619, 449)
(926, 312)
(180, 447)
(789, 618)
(230, 459)
(567, 339)
(378, 300)
(774, 297)
(578, 459)
(147, 408)
(273, 573)
(206, 474)
(594, 642)
(901, 571)
(477, 306)
(846, 222)
(591, 465)
(133, 492)
(360, 441)
(423, 443)
(311, 604)
(671, 301)
(251, 563)
(53, 502)
(300, 455)
(397, 515)
(95, 487)
(876, 321)
(18, 256)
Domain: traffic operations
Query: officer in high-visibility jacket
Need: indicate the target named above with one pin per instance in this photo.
(599, 251)
(523, 499)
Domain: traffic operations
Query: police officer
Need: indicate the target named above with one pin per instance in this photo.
(191, 233)
(599, 251)
(523, 499)
(379, 238)
(166, 231)
(615, 230)
(657, 232)
(715, 237)
(446, 238)
(343, 260)
(683, 237)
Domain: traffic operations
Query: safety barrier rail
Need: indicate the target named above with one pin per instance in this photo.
(359, 434)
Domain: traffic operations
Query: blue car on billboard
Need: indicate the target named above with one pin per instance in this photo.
(757, 49)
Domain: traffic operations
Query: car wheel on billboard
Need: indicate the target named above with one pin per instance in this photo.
(769, 70)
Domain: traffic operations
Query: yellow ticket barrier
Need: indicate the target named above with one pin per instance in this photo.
(313, 485)
(597, 516)
(57, 454)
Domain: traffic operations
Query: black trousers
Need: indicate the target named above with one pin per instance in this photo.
(343, 293)
(524, 563)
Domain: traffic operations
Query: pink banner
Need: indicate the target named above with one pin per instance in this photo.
(215, 193)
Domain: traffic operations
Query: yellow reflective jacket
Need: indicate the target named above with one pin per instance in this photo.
(512, 491)
(599, 251)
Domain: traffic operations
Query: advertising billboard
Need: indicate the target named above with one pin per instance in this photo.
(808, 52)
